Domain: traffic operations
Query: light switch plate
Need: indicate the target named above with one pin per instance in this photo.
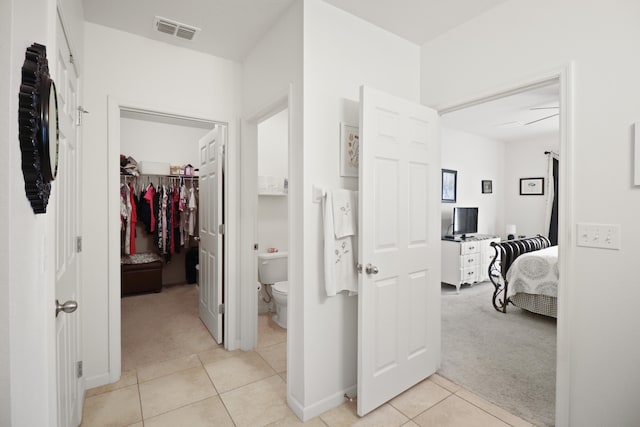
(602, 236)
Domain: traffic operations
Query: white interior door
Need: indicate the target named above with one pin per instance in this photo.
(211, 196)
(67, 205)
(399, 240)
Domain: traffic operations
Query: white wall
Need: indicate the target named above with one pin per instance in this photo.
(273, 160)
(476, 158)
(154, 141)
(7, 139)
(270, 69)
(526, 159)
(151, 75)
(341, 53)
(27, 284)
(273, 139)
(31, 277)
(515, 42)
(273, 231)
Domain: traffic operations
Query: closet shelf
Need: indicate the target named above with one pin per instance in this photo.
(272, 193)
(161, 175)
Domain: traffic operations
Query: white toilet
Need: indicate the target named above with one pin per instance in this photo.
(272, 270)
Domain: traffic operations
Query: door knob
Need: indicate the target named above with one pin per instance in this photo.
(371, 269)
(67, 307)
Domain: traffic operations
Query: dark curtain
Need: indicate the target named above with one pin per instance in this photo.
(553, 227)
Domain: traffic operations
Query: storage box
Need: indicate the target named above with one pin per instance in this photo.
(154, 168)
(140, 273)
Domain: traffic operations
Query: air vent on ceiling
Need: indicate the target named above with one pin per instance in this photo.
(185, 32)
(175, 28)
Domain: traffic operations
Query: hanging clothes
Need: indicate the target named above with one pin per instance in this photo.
(175, 222)
(192, 211)
(146, 205)
(183, 216)
(133, 218)
(157, 200)
(125, 208)
(124, 213)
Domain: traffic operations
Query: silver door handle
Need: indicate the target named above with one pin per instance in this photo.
(371, 269)
(67, 307)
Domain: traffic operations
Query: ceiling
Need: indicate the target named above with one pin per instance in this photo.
(416, 20)
(230, 28)
(506, 119)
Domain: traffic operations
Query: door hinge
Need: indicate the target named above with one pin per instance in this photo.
(221, 229)
(79, 115)
(79, 244)
(72, 60)
(221, 309)
(79, 368)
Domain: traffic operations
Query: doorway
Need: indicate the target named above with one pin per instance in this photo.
(272, 225)
(160, 237)
(491, 179)
(156, 118)
(251, 289)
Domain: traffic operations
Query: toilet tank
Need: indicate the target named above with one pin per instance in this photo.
(272, 267)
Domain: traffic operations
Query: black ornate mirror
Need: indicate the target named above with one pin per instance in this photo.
(38, 121)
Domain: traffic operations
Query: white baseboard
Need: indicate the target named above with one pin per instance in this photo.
(320, 407)
(295, 406)
(97, 381)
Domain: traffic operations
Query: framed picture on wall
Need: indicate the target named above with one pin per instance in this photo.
(349, 150)
(487, 186)
(449, 181)
(531, 186)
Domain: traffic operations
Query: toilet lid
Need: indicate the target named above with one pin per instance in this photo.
(282, 287)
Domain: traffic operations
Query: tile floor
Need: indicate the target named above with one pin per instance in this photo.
(220, 388)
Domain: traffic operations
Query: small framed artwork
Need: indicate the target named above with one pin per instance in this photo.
(349, 150)
(531, 186)
(449, 179)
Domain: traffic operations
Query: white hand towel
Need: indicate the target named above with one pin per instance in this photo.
(339, 256)
(344, 212)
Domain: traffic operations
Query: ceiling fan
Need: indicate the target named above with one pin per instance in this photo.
(543, 118)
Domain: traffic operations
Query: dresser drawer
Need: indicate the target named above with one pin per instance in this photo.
(469, 248)
(469, 274)
(469, 260)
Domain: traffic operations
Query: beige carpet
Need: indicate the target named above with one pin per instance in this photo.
(508, 359)
(162, 326)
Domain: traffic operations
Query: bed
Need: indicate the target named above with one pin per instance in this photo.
(141, 273)
(524, 273)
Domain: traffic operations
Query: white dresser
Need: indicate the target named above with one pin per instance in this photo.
(467, 261)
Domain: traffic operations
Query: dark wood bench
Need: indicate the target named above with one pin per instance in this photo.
(141, 273)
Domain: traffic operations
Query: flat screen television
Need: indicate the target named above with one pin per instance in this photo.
(465, 221)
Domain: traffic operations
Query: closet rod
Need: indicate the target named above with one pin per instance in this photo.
(170, 175)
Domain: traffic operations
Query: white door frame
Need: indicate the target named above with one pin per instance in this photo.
(114, 108)
(566, 220)
(248, 223)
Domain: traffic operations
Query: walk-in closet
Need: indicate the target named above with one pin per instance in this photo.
(159, 235)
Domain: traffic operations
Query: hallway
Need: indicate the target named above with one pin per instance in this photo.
(178, 376)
